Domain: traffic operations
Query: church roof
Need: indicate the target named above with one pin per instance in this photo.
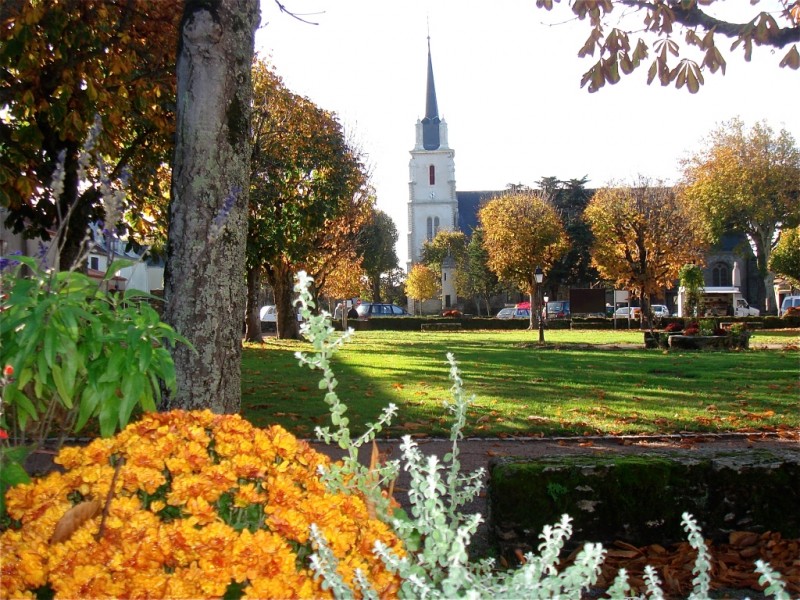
(469, 203)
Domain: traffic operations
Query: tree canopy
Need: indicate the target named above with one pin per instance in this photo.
(522, 231)
(307, 186)
(574, 268)
(376, 248)
(445, 243)
(475, 278)
(703, 22)
(422, 283)
(61, 64)
(785, 258)
(643, 235)
(748, 181)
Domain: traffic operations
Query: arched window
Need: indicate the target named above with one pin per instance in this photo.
(435, 226)
(720, 275)
(430, 229)
(432, 175)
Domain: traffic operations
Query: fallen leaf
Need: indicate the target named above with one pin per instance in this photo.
(73, 519)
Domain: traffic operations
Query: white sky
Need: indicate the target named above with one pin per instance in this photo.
(508, 85)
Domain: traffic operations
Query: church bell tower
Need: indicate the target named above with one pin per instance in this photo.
(432, 203)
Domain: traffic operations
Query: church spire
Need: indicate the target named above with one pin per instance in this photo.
(430, 124)
(431, 109)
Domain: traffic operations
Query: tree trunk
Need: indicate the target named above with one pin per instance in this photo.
(72, 234)
(204, 277)
(286, 317)
(253, 320)
(376, 289)
(765, 296)
(645, 316)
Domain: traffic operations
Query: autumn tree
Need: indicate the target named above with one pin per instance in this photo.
(643, 235)
(376, 247)
(445, 243)
(61, 65)
(422, 283)
(785, 258)
(346, 279)
(204, 278)
(702, 23)
(476, 279)
(303, 177)
(336, 243)
(522, 231)
(748, 181)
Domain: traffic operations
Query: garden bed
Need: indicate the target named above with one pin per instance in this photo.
(677, 341)
(639, 499)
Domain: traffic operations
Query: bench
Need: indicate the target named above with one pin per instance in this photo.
(440, 326)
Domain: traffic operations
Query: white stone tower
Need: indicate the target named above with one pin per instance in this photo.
(432, 203)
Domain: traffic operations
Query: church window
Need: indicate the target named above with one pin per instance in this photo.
(430, 229)
(432, 175)
(435, 226)
(720, 275)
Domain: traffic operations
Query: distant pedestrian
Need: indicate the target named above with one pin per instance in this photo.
(352, 313)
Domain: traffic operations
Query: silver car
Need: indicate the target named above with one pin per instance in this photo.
(514, 313)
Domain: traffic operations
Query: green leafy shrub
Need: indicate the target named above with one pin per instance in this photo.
(78, 352)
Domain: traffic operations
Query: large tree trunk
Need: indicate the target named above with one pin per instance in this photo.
(762, 242)
(204, 279)
(280, 278)
(376, 289)
(253, 321)
(73, 233)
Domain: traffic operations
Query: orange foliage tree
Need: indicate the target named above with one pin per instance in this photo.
(422, 283)
(522, 230)
(61, 64)
(749, 181)
(308, 191)
(643, 234)
(618, 54)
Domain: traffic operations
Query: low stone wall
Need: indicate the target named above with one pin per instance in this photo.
(639, 498)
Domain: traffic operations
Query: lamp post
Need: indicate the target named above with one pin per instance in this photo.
(539, 275)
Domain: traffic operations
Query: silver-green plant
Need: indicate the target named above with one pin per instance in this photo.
(350, 474)
(437, 534)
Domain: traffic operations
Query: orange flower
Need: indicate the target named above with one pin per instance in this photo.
(180, 464)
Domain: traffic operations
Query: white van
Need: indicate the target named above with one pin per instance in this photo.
(788, 302)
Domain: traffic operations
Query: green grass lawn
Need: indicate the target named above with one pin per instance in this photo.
(578, 383)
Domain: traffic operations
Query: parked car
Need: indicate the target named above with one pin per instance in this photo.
(366, 310)
(622, 312)
(659, 310)
(269, 317)
(514, 313)
(268, 314)
(558, 309)
(788, 302)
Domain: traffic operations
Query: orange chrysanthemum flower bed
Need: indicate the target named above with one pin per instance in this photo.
(202, 505)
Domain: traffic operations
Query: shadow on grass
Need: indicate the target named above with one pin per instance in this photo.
(525, 391)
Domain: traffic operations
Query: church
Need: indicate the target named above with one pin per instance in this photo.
(434, 204)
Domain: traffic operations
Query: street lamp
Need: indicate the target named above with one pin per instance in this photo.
(539, 275)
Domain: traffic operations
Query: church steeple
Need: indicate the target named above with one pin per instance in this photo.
(430, 124)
